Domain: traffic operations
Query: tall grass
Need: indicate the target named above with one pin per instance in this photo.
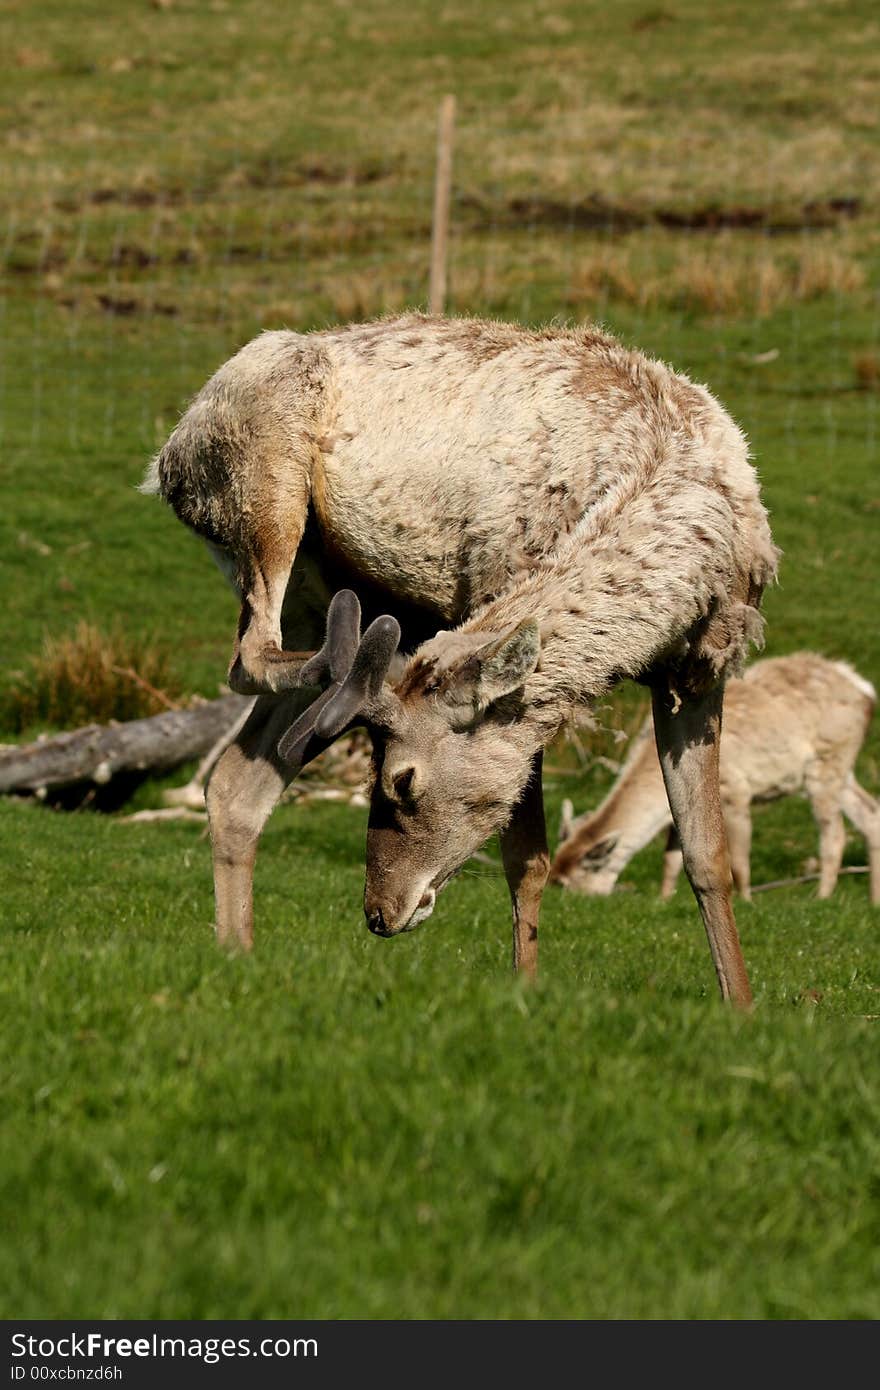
(718, 278)
(89, 676)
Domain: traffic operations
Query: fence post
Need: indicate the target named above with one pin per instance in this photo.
(442, 185)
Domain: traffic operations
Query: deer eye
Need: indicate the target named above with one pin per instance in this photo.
(596, 855)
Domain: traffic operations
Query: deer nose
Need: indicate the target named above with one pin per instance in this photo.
(376, 923)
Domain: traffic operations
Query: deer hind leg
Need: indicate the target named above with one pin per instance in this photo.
(687, 744)
(526, 860)
(864, 812)
(671, 864)
(243, 789)
(738, 825)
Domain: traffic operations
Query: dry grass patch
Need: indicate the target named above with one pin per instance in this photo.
(867, 371)
(364, 294)
(726, 275)
(721, 279)
(87, 677)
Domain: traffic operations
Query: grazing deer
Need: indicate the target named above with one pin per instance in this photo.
(533, 516)
(792, 724)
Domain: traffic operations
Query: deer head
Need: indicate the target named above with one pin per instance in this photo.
(585, 858)
(449, 759)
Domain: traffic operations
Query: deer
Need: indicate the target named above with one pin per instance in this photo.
(527, 516)
(792, 724)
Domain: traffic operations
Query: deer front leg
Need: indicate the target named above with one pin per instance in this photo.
(526, 860)
(687, 743)
(259, 664)
(244, 787)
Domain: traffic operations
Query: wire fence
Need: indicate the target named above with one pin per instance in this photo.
(120, 295)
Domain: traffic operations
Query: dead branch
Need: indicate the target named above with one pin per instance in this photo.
(805, 878)
(131, 674)
(97, 753)
(165, 814)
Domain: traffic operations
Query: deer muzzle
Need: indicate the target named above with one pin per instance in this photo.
(392, 925)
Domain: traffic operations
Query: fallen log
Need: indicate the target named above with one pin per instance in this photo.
(99, 752)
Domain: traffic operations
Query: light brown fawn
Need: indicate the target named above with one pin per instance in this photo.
(792, 724)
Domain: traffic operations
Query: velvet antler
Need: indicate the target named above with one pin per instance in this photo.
(355, 668)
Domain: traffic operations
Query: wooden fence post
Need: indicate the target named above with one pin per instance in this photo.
(442, 186)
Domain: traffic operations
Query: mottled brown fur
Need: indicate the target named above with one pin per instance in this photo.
(565, 510)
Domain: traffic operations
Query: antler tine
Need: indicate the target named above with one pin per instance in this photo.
(331, 665)
(341, 639)
(364, 681)
(293, 746)
(356, 669)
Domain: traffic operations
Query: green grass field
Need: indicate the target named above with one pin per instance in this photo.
(341, 1126)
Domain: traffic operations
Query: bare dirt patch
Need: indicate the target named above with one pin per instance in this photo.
(596, 213)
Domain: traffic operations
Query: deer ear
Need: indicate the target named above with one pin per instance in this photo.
(504, 663)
